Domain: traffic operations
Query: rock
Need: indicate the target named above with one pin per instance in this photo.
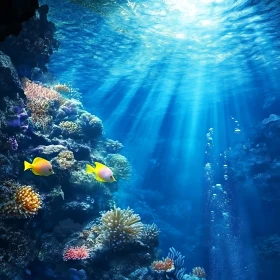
(13, 13)
(9, 81)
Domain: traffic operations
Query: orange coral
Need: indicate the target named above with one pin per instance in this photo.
(163, 266)
(199, 272)
(25, 203)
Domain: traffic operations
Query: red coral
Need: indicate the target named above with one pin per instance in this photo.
(76, 253)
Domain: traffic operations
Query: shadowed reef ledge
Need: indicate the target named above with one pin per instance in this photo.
(13, 13)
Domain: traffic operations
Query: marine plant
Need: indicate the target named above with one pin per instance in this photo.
(118, 227)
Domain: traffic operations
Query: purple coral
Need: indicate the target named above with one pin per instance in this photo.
(13, 144)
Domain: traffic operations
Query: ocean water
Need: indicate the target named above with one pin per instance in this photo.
(184, 85)
(160, 74)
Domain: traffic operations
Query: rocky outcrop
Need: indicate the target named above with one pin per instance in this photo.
(13, 13)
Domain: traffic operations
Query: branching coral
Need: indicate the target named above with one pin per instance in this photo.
(34, 91)
(42, 102)
(25, 203)
(118, 227)
(119, 165)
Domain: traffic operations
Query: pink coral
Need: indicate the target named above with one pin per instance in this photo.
(33, 91)
(76, 253)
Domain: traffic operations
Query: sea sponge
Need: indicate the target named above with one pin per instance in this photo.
(119, 165)
(25, 203)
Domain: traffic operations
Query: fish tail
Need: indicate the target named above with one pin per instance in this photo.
(90, 169)
(27, 165)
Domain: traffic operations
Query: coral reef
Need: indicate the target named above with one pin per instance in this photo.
(69, 216)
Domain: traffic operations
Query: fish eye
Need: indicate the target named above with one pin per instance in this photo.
(111, 177)
(50, 170)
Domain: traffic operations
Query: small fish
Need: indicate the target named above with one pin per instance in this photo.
(102, 172)
(39, 166)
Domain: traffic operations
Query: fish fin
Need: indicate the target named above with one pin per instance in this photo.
(27, 165)
(90, 169)
(38, 159)
(99, 165)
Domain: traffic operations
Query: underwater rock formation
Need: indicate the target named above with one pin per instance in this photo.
(31, 49)
(13, 13)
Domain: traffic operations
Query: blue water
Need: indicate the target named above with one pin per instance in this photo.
(160, 74)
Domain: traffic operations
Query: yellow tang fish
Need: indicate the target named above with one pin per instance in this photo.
(39, 166)
(102, 172)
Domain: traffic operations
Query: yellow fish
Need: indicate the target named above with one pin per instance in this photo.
(39, 166)
(102, 172)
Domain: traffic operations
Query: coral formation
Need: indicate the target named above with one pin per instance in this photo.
(166, 265)
(65, 159)
(70, 128)
(118, 228)
(199, 272)
(119, 165)
(76, 253)
(113, 147)
(25, 203)
(62, 88)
